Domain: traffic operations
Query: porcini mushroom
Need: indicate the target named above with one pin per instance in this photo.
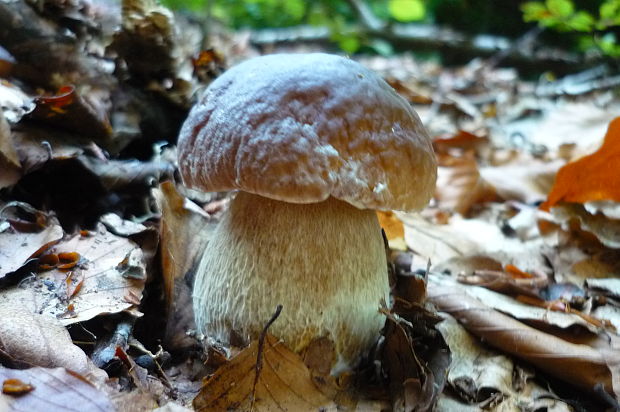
(314, 143)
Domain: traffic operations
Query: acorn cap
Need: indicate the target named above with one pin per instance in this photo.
(302, 127)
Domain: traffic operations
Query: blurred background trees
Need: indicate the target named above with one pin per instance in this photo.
(580, 26)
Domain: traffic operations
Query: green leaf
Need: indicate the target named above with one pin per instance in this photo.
(610, 9)
(407, 10)
(295, 8)
(534, 11)
(581, 21)
(349, 44)
(560, 8)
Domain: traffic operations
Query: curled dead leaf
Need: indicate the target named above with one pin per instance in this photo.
(578, 364)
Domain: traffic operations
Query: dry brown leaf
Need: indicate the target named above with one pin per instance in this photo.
(517, 309)
(606, 230)
(524, 179)
(469, 237)
(37, 146)
(609, 287)
(462, 140)
(111, 275)
(55, 390)
(184, 232)
(476, 372)
(31, 243)
(284, 383)
(31, 339)
(459, 184)
(580, 123)
(577, 364)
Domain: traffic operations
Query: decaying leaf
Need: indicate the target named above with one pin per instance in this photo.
(593, 177)
(32, 339)
(184, 232)
(469, 237)
(109, 278)
(517, 309)
(9, 161)
(284, 383)
(485, 379)
(459, 184)
(57, 389)
(524, 179)
(606, 230)
(68, 110)
(31, 241)
(576, 363)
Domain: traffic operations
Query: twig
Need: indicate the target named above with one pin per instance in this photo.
(259, 356)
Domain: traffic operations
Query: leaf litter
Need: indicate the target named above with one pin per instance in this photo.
(527, 298)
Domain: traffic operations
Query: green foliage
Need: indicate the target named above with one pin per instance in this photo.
(561, 15)
(335, 14)
(407, 10)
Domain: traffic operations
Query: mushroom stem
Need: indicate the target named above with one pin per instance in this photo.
(324, 262)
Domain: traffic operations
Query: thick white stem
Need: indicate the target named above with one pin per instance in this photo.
(324, 262)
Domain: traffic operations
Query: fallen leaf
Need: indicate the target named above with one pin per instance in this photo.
(469, 237)
(110, 268)
(284, 383)
(525, 179)
(462, 140)
(14, 103)
(593, 177)
(68, 110)
(31, 339)
(609, 287)
(31, 244)
(580, 123)
(54, 390)
(393, 229)
(485, 379)
(184, 233)
(606, 230)
(9, 160)
(476, 373)
(577, 364)
(459, 184)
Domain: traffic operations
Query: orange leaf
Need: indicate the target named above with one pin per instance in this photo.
(593, 177)
(392, 226)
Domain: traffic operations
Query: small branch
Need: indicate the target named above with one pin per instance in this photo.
(430, 37)
(259, 356)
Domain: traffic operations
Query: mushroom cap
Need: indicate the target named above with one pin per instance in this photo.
(302, 127)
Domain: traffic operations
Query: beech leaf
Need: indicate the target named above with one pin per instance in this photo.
(284, 383)
(593, 177)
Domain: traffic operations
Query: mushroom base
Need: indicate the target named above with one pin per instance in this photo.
(324, 262)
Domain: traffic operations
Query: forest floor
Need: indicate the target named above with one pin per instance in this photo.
(506, 287)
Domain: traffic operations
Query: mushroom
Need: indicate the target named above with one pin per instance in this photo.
(314, 143)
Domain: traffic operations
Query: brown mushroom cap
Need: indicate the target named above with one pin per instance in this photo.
(302, 127)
